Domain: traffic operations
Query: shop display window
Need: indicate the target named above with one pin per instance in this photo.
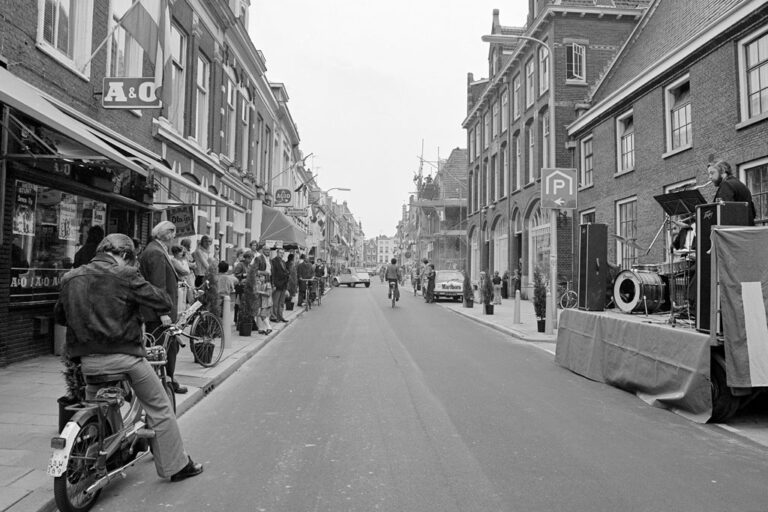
(52, 230)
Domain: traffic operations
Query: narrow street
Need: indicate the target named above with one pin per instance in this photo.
(360, 407)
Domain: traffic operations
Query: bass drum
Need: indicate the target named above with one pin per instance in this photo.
(636, 291)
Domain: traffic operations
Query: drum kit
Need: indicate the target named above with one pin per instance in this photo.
(649, 288)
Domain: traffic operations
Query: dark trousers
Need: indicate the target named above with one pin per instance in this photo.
(156, 329)
(278, 303)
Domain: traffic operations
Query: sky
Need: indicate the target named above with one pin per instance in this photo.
(368, 80)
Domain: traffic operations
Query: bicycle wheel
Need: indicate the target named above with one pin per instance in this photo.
(69, 489)
(207, 339)
(569, 300)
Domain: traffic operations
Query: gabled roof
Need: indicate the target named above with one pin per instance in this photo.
(665, 25)
(452, 176)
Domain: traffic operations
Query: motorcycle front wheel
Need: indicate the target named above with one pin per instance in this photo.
(69, 489)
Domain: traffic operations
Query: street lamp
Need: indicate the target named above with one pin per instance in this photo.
(503, 38)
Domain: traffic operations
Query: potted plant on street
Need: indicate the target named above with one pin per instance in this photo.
(486, 289)
(539, 300)
(75, 383)
(467, 291)
(248, 303)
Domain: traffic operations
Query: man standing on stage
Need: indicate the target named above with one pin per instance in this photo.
(729, 188)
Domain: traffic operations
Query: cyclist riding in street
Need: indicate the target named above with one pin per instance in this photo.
(99, 303)
(321, 274)
(392, 275)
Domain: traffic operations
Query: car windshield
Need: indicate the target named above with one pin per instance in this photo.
(449, 275)
(359, 271)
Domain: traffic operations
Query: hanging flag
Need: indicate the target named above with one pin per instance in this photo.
(149, 23)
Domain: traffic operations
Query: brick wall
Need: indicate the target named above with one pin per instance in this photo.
(715, 114)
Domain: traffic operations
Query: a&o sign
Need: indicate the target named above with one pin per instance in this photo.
(132, 93)
(558, 188)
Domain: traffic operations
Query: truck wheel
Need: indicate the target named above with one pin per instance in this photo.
(724, 403)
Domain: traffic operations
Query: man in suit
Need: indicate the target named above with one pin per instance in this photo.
(729, 188)
(156, 267)
(280, 276)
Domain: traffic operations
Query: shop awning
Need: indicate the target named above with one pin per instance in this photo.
(22, 96)
(275, 225)
(152, 163)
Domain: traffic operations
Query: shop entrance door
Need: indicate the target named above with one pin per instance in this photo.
(122, 221)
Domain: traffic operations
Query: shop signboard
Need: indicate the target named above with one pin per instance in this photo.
(276, 244)
(130, 93)
(183, 218)
(283, 197)
(68, 226)
(296, 212)
(24, 209)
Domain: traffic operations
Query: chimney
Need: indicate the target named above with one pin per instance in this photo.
(495, 26)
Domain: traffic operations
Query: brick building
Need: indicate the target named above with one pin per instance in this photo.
(516, 125)
(690, 86)
(68, 166)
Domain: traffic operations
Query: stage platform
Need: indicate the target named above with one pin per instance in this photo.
(666, 366)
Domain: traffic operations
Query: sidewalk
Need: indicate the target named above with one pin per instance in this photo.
(29, 413)
(502, 319)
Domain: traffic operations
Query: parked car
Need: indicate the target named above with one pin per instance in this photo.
(372, 271)
(352, 277)
(449, 284)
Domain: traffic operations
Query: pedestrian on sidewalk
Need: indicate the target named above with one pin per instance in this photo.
(101, 304)
(496, 288)
(280, 277)
(264, 294)
(203, 259)
(156, 266)
(431, 274)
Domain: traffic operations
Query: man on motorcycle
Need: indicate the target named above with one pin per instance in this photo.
(392, 274)
(99, 303)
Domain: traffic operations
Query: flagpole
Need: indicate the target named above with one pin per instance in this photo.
(101, 45)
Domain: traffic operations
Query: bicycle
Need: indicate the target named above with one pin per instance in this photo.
(206, 334)
(569, 299)
(106, 435)
(394, 292)
(320, 284)
(308, 292)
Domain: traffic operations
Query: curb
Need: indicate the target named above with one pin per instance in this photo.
(43, 501)
(496, 327)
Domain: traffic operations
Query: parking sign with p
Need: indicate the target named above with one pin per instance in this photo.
(558, 188)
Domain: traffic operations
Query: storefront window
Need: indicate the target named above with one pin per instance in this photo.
(49, 228)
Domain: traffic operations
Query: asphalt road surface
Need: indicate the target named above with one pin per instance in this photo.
(360, 407)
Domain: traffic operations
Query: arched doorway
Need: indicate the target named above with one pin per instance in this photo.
(500, 245)
(538, 243)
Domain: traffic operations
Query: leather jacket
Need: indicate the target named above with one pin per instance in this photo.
(99, 303)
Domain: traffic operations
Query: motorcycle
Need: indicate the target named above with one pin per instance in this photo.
(106, 435)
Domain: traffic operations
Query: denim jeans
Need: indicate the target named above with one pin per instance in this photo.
(167, 446)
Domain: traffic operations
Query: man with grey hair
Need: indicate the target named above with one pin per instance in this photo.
(729, 188)
(156, 266)
(100, 304)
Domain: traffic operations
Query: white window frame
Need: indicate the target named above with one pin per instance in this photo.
(230, 125)
(478, 139)
(620, 135)
(530, 86)
(178, 65)
(471, 144)
(518, 161)
(578, 53)
(496, 177)
(746, 117)
(546, 140)
(619, 244)
(504, 111)
(133, 52)
(743, 168)
(516, 98)
(486, 130)
(81, 42)
(669, 102)
(583, 183)
(495, 120)
(505, 170)
(543, 69)
(586, 212)
(531, 141)
(202, 102)
(245, 132)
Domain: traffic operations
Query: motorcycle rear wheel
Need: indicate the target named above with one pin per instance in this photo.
(69, 488)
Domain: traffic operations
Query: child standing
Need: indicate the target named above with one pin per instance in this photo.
(264, 292)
